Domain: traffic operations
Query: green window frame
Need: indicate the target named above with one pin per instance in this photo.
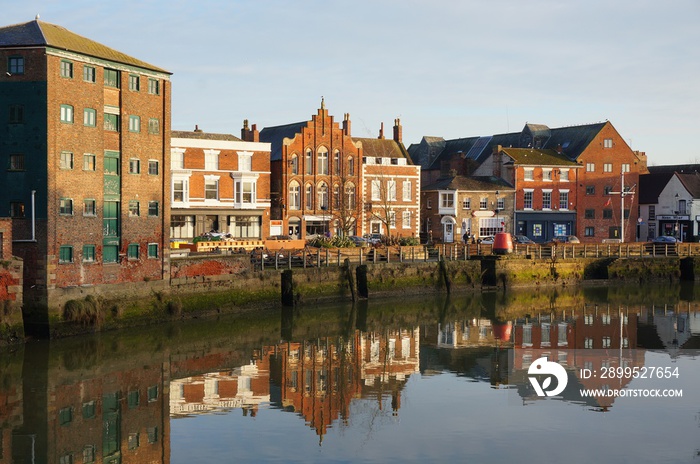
(88, 257)
(65, 207)
(134, 166)
(89, 207)
(153, 167)
(111, 78)
(16, 162)
(67, 114)
(15, 65)
(152, 433)
(152, 391)
(134, 123)
(152, 253)
(153, 87)
(132, 252)
(153, 126)
(88, 454)
(89, 117)
(65, 255)
(66, 161)
(89, 162)
(89, 74)
(133, 395)
(110, 254)
(133, 441)
(153, 208)
(111, 122)
(89, 410)
(133, 208)
(134, 83)
(67, 69)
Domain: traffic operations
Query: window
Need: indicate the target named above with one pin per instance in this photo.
(309, 197)
(153, 87)
(392, 218)
(245, 161)
(322, 161)
(590, 189)
(308, 161)
(350, 196)
(529, 174)
(89, 117)
(501, 203)
(294, 196)
(211, 160)
(133, 208)
(132, 252)
(652, 212)
(336, 196)
(607, 143)
(153, 208)
(111, 122)
(88, 454)
(607, 190)
(429, 204)
(527, 199)
(110, 220)
(447, 200)
(376, 190)
(16, 162)
(89, 207)
(111, 78)
(547, 199)
(133, 441)
(153, 126)
(89, 410)
(563, 199)
(245, 191)
(322, 192)
(589, 214)
(134, 83)
(152, 433)
(589, 232)
(66, 459)
(351, 166)
(607, 214)
(407, 191)
(153, 167)
(134, 124)
(67, 114)
(88, 74)
(152, 253)
(179, 190)
(89, 162)
(65, 255)
(483, 203)
(65, 416)
(66, 69)
(607, 167)
(16, 114)
(89, 257)
(152, 393)
(467, 203)
(211, 189)
(391, 190)
(15, 65)
(65, 206)
(406, 219)
(134, 166)
(590, 167)
(336, 162)
(177, 160)
(66, 160)
(295, 164)
(564, 175)
(547, 174)
(625, 167)
(16, 209)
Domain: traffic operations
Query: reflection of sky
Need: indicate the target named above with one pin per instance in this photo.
(449, 418)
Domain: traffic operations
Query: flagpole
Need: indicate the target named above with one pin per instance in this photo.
(622, 205)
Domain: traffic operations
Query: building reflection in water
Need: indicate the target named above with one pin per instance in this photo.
(88, 401)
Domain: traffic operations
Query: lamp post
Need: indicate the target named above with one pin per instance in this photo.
(677, 212)
(498, 222)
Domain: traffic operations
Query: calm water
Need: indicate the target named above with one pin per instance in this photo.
(421, 380)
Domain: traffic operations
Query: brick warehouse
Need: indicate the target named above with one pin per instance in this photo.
(86, 142)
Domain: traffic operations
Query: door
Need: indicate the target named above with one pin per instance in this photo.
(449, 235)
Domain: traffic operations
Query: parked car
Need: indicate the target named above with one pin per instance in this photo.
(373, 239)
(523, 240)
(664, 239)
(359, 241)
(559, 239)
(487, 240)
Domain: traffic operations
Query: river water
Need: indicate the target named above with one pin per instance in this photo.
(606, 374)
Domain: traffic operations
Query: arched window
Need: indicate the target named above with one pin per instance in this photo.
(322, 161)
(323, 195)
(350, 195)
(294, 195)
(309, 194)
(309, 161)
(351, 166)
(336, 163)
(294, 164)
(336, 196)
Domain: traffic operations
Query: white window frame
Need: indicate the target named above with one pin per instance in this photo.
(407, 190)
(529, 174)
(211, 160)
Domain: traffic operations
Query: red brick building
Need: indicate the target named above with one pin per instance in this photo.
(219, 183)
(88, 149)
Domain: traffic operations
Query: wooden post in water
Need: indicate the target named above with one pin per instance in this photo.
(444, 274)
(361, 273)
(287, 288)
(351, 279)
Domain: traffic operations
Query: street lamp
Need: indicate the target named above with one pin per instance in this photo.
(677, 212)
(498, 222)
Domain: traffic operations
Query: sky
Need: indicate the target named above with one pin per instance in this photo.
(447, 68)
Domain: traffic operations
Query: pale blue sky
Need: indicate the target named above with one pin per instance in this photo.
(444, 67)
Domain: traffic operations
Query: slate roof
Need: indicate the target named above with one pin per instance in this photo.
(651, 185)
(41, 34)
(387, 148)
(691, 182)
(573, 139)
(531, 156)
(203, 136)
(276, 134)
(468, 183)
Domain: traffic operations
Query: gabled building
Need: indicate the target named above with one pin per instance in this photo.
(86, 145)
(219, 183)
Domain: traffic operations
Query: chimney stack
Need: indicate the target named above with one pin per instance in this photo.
(381, 132)
(398, 131)
(196, 128)
(250, 135)
(346, 124)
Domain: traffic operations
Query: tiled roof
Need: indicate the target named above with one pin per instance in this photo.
(531, 156)
(39, 33)
(465, 183)
(276, 134)
(691, 182)
(574, 139)
(203, 136)
(386, 148)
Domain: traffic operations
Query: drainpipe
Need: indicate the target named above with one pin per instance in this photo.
(33, 239)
